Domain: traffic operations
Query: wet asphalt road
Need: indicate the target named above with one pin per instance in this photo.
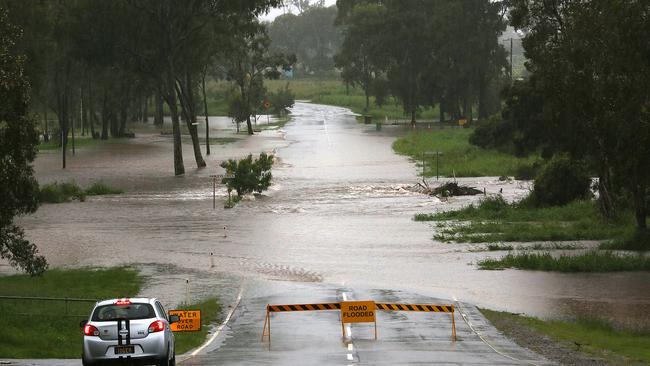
(315, 337)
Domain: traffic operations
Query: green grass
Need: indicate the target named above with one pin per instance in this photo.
(61, 192)
(596, 338)
(50, 329)
(331, 92)
(458, 157)
(592, 261)
(80, 142)
(99, 188)
(185, 341)
(65, 192)
(494, 220)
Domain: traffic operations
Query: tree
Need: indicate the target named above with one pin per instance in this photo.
(361, 58)
(249, 175)
(18, 140)
(590, 60)
(248, 62)
(426, 52)
(312, 36)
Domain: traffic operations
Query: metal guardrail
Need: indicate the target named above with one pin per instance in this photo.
(65, 300)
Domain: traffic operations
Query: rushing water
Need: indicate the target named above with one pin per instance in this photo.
(338, 212)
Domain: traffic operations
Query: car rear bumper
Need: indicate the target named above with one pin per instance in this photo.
(96, 350)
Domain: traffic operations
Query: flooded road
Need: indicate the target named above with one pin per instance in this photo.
(338, 213)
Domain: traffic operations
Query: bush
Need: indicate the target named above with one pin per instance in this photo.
(99, 188)
(282, 100)
(61, 192)
(527, 171)
(249, 175)
(491, 134)
(561, 181)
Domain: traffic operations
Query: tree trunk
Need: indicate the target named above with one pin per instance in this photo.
(605, 200)
(105, 117)
(640, 207)
(145, 110)
(170, 96)
(412, 117)
(186, 96)
(367, 101)
(207, 125)
(249, 125)
(158, 114)
(123, 117)
(91, 109)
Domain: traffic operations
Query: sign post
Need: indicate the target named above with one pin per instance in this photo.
(358, 312)
(437, 155)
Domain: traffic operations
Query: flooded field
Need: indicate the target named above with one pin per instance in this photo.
(339, 212)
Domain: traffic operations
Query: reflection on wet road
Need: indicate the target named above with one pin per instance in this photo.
(338, 213)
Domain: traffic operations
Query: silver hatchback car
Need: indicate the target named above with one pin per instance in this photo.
(128, 331)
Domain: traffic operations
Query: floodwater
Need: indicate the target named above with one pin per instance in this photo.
(338, 213)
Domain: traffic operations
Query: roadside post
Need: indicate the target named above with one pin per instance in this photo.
(228, 175)
(437, 155)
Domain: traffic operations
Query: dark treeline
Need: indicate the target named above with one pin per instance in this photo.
(100, 64)
(311, 35)
(425, 53)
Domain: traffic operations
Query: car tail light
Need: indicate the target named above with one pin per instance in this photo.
(89, 330)
(123, 302)
(156, 326)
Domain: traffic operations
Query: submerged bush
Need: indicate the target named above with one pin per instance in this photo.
(561, 181)
(249, 175)
(61, 192)
(67, 191)
(99, 188)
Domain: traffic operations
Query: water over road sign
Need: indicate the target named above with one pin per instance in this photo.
(190, 320)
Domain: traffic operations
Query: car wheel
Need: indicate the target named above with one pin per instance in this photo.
(165, 361)
(173, 361)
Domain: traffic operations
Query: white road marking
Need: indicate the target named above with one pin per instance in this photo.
(464, 316)
(218, 331)
(350, 358)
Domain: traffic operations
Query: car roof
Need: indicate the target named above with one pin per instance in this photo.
(131, 299)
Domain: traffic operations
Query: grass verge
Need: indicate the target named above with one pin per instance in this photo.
(494, 220)
(459, 157)
(50, 329)
(618, 347)
(67, 191)
(79, 142)
(186, 341)
(331, 92)
(592, 261)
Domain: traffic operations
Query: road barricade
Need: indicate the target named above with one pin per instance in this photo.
(357, 312)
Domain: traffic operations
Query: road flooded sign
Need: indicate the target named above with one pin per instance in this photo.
(190, 320)
(358, 312)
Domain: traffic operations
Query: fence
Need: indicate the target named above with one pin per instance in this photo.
(45, 306)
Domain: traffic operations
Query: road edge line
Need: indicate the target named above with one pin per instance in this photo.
(218, 331)
(460, 310)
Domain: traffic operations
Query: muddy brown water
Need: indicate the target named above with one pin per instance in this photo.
(338, 212)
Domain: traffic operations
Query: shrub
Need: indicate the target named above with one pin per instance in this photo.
(61, 192)
(249, 175)
(100, 188)
(561, 181)
(282, 100)
(493, 133)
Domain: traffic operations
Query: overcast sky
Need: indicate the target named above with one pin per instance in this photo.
(279, 11)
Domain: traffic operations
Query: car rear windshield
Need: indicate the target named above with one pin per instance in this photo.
(131, 311)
